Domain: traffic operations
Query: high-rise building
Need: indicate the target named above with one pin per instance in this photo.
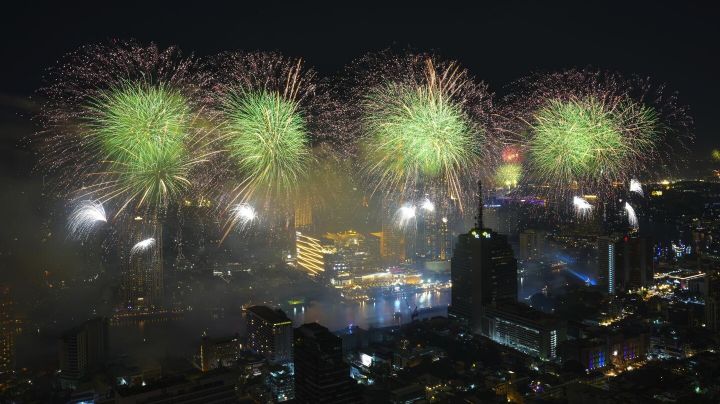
(142, 263)
(606, 262)
(531, 244)
(523, 328)
(483, 271)
(303, 216)
(280, 381)
(625, 262)
(634, 264)
(392, 244)
(712, 300)
(311, 254)
(7, 331)
(434, 237)
(82, 350)
(321, 375)
(215, 353)
(270, 333)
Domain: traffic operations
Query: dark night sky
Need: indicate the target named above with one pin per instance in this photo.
(676, 44)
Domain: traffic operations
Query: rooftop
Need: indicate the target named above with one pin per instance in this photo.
(271, 316)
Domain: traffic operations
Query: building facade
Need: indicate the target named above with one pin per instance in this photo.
(321, 375)
(270, 333)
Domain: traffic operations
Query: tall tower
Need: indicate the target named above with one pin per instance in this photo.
(479, 217)
(483, 271)
(712, 300)
(7, 331)
(270, 334)
(321, 375)
(142, 276)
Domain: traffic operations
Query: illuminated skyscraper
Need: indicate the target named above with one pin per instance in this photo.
(392, 244)
(625, 262)
(311, 254)
(606, 262)
(270, 333)
(142, 276)
(7, 331)
(303, 216)
(483, 271)
(523, 328)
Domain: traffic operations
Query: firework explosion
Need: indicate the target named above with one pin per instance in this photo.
(243, 215)
(421, 126)
(427, 205)
(405, 215)
(274, 119)
(142, 246)
(632, 217)
(272, 115)
(636, 186)
(85, 218)
(587, 129)
(508, 175)
(582, 207)
(268, 138)
(121, 120)
(580, 140)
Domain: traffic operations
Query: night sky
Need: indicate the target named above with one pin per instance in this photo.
(676, 44)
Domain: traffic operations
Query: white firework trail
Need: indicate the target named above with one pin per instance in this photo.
(427, 205)
(582, 207)
(142, 246)
(636, 186)
(243, 214)
(84, 218)
(632, 217)
(405, 215)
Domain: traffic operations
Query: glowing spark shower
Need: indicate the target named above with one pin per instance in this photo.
(585, 129)
(636, 186)
(582, 207)
(269, 140)
(142, 246)
(418, 128)
(122, 125)
(427, 205)
(243, 214)
(84, 219)
(584, 139)
(632, 217)
(508, 175)
(405, 215)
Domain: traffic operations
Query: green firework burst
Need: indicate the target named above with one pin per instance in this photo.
(416, 134)
(508, 175)
(143, 133)
(588, 140)
(269, 139)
